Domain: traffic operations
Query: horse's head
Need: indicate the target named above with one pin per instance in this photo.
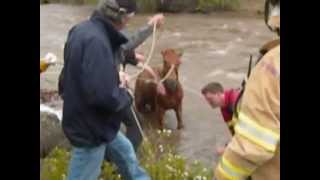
(171, 59)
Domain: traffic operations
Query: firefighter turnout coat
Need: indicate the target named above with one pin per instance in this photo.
(254, 150)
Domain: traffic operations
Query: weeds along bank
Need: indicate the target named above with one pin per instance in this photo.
(159, 159)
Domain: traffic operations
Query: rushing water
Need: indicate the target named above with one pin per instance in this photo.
(216, 48)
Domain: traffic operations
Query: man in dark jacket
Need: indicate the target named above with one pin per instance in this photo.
(93, 101)
(127, 55)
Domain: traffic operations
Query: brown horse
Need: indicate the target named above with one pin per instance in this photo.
(147, 97)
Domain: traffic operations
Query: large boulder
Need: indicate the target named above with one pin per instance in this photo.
(51, 134)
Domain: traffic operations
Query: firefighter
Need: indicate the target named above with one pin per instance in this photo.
(254, 150)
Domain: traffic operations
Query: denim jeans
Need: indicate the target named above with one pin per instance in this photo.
(86, 163)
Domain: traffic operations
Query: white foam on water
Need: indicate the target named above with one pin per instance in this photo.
(240, 23)
(219, 52)
(183, 79)
(225, 26)
(45, 108)
(239, 39)
(235, 76)
(223, 52)
(244, 30)
(178, 34)
(257, 33)
(216, 73)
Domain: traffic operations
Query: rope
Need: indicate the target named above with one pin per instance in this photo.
(136, 75)
(144, 137)
(168, 74)
(138, 123)
(161, 80)
(149, 56)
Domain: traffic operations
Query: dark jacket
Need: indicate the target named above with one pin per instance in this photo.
(93, 101)
(127, 53)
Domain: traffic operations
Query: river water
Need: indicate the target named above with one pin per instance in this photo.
(216, 48)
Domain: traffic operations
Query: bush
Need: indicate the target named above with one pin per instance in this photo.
(69, 1)
(151, 6)
(159, 159)
(212, 5)
(147, 6)
(55, 166)
(90, 1)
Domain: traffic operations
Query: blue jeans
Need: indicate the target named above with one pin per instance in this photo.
(86, 163)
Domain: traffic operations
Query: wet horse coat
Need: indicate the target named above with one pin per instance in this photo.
(148, 99)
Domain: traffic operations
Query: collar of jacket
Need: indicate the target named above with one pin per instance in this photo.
(116, 37)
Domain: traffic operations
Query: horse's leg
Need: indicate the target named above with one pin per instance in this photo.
(178, 112)
(160, 115)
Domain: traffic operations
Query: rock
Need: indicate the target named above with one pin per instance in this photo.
(50, 98)
(51, 134)
(47, 96)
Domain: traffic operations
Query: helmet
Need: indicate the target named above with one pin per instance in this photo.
(272, 15)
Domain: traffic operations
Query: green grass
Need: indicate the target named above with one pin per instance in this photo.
(55, 166)
(159, 159)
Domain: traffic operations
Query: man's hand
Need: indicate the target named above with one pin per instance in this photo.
(220, 150)
(124, 79)
(140, 57)
(157, 19)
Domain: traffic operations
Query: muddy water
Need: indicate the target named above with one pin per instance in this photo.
(216, 48)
